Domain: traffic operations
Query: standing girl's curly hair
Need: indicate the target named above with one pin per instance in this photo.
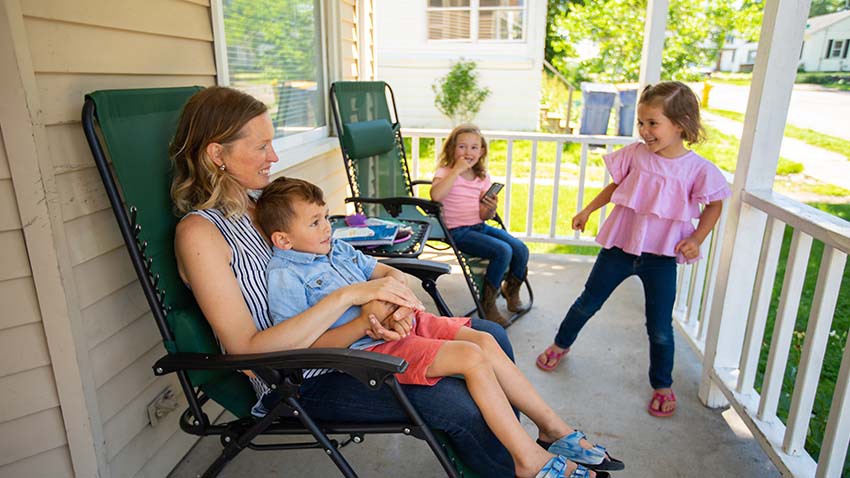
(447, 158)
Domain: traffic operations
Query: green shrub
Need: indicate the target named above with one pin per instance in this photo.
(457, 95)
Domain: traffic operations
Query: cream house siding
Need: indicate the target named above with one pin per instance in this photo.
(357, 39)
(31, 428)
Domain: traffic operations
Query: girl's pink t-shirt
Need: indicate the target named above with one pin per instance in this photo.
(461, 204)
(657, 199)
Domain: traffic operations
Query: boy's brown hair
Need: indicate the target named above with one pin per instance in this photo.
(679, 104)
(275, 208)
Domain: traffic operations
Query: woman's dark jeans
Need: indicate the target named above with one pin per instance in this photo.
(658, 275)
(496, 245)
(445, 406)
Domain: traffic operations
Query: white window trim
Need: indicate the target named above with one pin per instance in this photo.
(474, 13)
(296, 149)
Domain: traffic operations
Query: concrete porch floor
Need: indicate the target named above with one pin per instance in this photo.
(601, 388)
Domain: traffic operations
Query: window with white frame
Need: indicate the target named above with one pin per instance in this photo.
(477, 20)
(836, 49)
(274, 52)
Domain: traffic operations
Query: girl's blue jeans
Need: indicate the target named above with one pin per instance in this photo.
(446, 406)
(658, 275)
(496, 245)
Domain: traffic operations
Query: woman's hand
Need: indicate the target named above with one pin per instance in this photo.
(688, 247)
(487, 207)
(580, 220)
(387, 289)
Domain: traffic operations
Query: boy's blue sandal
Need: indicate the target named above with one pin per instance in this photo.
(595, 458)
(557, 468)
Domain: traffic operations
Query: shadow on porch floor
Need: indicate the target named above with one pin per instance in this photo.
(601, 388)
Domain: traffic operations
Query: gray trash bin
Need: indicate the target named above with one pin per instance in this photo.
(628, 98)
(598, 99)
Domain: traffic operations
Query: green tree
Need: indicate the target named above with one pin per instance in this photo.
(282, 26)
(823, 7)
(457, 95)
(695, 32)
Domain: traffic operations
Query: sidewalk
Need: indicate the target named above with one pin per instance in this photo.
(823, 165)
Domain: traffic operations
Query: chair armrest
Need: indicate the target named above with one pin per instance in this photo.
(423, 270)
(393, 205)
(371, 368)
(417, 182)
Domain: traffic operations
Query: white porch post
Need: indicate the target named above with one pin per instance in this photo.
(764, 125)
(653, 42)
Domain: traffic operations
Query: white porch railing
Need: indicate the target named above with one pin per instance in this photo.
(783, 442)
(556, 179)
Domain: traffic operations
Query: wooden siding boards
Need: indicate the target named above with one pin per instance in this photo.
(53, 463)
(108, 316)
(22, 348)
(13, 255)
(10, 219)
(92, 235)
(20, 303)
(162, 17)
(61, 48)
(121, 350)
(27, 392)
(62, 94)
(103, 275)
(114, 395)
(34, 434)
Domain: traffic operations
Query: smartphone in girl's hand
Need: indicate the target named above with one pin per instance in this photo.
(494, 189)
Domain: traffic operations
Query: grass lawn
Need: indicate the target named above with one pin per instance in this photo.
(808, 136)
(835, 344)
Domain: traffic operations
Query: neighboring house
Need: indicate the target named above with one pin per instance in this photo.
(826, 43)
(76, 339)
(419, 40)
(737, 55)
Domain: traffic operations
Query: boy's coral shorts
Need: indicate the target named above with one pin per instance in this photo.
(420, 348)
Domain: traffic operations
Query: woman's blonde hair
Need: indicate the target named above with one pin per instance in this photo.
(679, 104)
(447, 158)
(214, 115)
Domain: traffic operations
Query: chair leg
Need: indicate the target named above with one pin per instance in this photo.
(237, 445)
(420, 423)
(431, 288)
(323, 439)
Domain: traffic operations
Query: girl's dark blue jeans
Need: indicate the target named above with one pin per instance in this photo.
(496, 245)
(445, 406)
(658, 275)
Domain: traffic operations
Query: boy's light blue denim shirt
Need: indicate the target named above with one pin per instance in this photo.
(299, 280)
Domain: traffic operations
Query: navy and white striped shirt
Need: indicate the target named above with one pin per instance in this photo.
(250, 255)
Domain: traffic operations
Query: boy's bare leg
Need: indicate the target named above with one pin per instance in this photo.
(518, 389)
(467, 359)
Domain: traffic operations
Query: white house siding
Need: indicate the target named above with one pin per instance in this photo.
(410, 63)
(815, 44)
(101, 328)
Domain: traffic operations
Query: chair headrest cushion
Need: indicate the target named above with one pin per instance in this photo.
(368, 138)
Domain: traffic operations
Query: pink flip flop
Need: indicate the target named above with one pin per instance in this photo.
(547, 356)
(662, 399)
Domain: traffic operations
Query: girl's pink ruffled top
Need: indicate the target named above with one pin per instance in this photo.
(657, 199)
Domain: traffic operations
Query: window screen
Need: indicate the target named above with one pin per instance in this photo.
(274, 52)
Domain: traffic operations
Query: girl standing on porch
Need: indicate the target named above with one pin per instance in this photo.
(460, 183)
(657, 187)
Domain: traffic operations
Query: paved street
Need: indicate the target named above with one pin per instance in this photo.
(823, 165)
(825, 111)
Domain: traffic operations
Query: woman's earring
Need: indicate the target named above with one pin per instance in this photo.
(222, 167)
